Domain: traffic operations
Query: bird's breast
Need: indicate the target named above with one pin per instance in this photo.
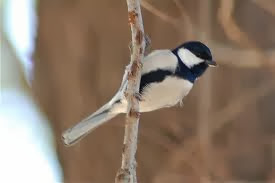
(164, 94)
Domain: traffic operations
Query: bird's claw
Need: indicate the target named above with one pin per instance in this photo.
(138, 96)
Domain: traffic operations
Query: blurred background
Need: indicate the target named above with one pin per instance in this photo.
(61, 60)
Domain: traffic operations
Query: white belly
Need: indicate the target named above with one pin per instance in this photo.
(164, 94)
(158, 95)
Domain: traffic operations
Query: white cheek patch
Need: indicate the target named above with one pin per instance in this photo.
(188, 58)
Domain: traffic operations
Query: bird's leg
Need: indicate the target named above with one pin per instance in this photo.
(147, 45)
(138, 97)
(124, 79)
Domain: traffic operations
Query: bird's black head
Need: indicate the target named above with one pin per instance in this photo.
(196, 56)
(199, 49)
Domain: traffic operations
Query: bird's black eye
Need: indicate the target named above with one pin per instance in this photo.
(203, 55)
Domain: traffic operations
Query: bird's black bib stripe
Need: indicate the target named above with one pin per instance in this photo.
(186, 73)
(153, 77)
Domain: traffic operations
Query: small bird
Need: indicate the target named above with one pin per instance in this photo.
(167, 76)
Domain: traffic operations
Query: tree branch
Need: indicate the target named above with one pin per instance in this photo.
(127, 172)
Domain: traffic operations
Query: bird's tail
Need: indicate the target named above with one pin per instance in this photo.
(80, 130)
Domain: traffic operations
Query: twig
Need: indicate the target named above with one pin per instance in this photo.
(127, 172)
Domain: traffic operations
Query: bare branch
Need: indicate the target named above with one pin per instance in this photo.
(127, 172)
(242, 58)
(182, 10)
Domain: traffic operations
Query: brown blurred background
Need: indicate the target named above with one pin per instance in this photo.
(226, 129)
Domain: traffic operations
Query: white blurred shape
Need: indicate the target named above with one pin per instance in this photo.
(27, 151)
(20, 27)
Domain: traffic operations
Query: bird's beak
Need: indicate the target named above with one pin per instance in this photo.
(211, 63)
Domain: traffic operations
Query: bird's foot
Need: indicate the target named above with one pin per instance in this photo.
(138, 97)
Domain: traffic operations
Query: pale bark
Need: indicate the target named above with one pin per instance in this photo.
(127, 172)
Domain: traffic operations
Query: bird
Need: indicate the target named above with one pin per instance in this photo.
(167, 76)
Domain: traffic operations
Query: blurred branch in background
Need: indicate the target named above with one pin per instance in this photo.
(241, 58)
(267, 5)
(235, 34)
(230, 27)
(205, 99)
